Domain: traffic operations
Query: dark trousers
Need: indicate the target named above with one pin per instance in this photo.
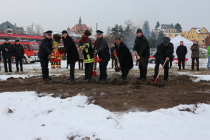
(72, 69)
(103, 69)
(45, 70)
(80, 63)
(114, 63)
(181, 62)
(193, 63)
(19, 60)
(143, 68)
(88, 70)
(9, 63)
(125, 72)
(166, 69)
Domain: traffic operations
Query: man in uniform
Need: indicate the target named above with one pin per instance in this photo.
(7, 52)
(44, 51)
(162, 55)
(72, 53)
(142, 50)
(18, 53)
(101, 48)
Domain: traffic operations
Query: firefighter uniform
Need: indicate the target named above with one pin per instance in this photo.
(55, 59)
(86, 46)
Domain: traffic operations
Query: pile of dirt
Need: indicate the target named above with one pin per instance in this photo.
(118, 95)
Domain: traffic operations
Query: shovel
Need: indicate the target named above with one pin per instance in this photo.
(96, 59)
(117, 68)
(155, 81)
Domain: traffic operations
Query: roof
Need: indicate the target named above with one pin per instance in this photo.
(7, 24)
(179, 38)
(79, 27)
(167, 26)
(198, 29)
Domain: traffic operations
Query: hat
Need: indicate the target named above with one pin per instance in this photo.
(87, 33)
(17, 40)
(166, 40)
(48, 32)
(6, 39)
(139, 31)
(99, 32)
(64, 32)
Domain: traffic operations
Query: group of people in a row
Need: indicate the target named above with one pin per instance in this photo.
(120, 52)
(7, 51)
(122, 55)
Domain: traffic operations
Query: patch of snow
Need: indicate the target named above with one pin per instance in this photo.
(5, 77)
(24, 116)
(201, 77)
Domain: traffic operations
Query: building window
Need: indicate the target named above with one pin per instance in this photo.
(192, 36)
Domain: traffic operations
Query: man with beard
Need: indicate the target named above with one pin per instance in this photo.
(124, 56)
(162, 55)
(142, 50)
(7, 52)
(18, 53)
(101, 48)
(72, 53)
(44, 51)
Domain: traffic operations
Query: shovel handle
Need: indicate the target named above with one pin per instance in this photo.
(160, 70)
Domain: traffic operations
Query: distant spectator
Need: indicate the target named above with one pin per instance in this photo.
(18, 53)
(195, 54)
(112, 56)
(7, 52)
(81, 57)
(181, 52)
(208, 64)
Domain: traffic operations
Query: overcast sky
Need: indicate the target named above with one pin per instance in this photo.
(56, 14)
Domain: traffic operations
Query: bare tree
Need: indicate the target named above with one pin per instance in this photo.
(38, 30)
(29, 30)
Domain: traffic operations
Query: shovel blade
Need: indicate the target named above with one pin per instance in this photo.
(94, 73)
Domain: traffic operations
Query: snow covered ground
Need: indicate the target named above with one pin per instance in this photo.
(24, 116)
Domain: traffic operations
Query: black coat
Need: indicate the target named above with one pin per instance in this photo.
(162, 53)
(18, 50)
(112, 52)
(124, 56)
(45, 48)
(181, 52)
(7, 54)
(141, 45)
(71, 50)
(171, 52)
(102, 49)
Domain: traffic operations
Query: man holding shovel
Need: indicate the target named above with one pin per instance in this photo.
(162, 57)
(142, 51)
(124, 57)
